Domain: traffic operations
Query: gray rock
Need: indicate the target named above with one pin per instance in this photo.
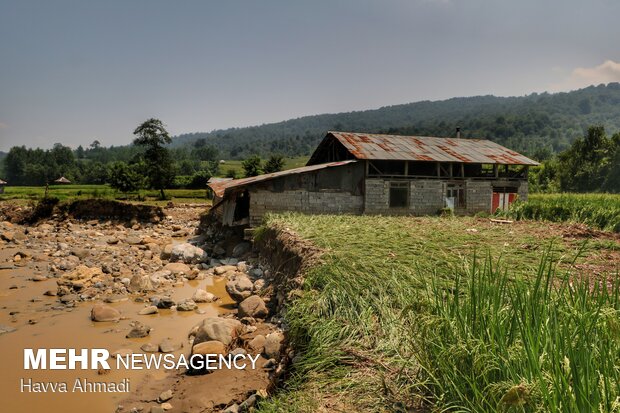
(257, 344)
(177, 268)
(140, 283)
(188, 253)
(239, 287)
(6, 329)
(165, 396)
(241, 248)
(249, 402)
(133, 240)
(151, 309)
(168, 346)
(273, 344)
(69, 298)
(166, 252)
(238, 351)
(186, 305)
(216, 328)
(203, 296)
(233, 408)
(81, 253)
(116, 298)
(149, 347)
(253, 306)
(138, 330)
(165, 302)
(101, 312)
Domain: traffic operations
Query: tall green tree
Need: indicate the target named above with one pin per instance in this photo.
(252, 166)
(159, 166)
(124, 177)
(275, 163)
(584, 166)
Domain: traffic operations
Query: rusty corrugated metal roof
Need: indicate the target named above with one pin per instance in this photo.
(427, 148)
(219, 188)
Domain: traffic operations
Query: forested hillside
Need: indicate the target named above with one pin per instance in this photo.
(530, 124)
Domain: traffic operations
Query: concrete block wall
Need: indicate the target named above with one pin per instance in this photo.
(332, 202)
(426, 197)
(377, 196)
(523, 191)
(478, 196)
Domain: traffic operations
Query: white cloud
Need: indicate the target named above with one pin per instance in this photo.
(580, 77)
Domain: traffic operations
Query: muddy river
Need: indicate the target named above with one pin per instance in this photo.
(26, 308)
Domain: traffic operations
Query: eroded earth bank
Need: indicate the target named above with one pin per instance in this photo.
(151, 284)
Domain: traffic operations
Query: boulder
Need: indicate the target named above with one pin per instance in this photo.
(239, 287)
(257, 344)
(209, 347)
(203, 296)
(166, 252)
(138, 330)
(177, 268)
(273, 344)
(140, 283)
(164, 302)
(241, 248)
(216, 328)
(169, 346)
(81, 253)
(151, 309)
(188, 253)
(253, 306)
(186, 305)
(165, 396)
(133, 240)
(160, 277)
(149, 348)
(101, 312)
(223, 269)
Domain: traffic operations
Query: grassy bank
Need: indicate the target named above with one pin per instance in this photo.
(64, 192)
(451, 314)
(595, 210)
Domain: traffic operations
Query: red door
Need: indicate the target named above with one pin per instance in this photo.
(495, 203)
(502, 200)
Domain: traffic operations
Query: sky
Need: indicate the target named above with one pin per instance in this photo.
(76, 71)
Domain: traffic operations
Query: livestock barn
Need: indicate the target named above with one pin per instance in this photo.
(360, 173)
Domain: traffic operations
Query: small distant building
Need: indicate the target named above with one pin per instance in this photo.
(358, 173)
(62, 180)
(2, 185)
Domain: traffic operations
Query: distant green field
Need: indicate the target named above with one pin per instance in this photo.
(235, 165)
(64, 192)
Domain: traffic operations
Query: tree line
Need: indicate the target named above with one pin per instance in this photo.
(590, 164)
(125, 167)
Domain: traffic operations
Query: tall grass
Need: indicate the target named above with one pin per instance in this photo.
(402, 316)
(544, 345)
(595, 210)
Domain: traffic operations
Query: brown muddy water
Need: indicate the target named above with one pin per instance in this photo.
(38, 325)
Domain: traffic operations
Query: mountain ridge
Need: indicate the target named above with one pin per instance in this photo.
(524, 123)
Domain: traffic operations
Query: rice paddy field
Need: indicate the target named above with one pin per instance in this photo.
(444, 314)
(595, 210)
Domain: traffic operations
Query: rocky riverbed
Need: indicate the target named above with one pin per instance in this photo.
(137, 287)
